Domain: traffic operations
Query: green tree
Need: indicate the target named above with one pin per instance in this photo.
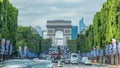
(106, 25)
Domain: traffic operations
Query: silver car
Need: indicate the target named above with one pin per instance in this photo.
(67, 60)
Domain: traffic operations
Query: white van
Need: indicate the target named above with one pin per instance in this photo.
(74, 58)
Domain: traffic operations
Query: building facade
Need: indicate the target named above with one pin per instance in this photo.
(82, 26)
(74, 32)
(39, 30)
(59, 25)
(44, 34)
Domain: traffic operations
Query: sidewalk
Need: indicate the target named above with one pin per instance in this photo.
(113, 66)
(108, 65)
(98, 64)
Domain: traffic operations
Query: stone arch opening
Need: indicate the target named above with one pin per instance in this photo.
(59, 38)
(56, 26)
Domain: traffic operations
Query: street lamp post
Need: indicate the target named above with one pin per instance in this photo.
(97, 51)
(113, 56)
(78, 45)
(0, 34)
(117, 55)
(118, 46)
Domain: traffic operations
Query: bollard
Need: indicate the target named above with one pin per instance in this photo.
(59, 64)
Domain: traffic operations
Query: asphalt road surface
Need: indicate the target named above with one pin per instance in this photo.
(84, 66)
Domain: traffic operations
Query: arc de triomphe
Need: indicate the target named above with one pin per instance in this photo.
(59, 25)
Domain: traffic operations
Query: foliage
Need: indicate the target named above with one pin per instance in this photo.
(25, 37)
(34, 42)
(18, 36)
(8, 21)
(72, 45)
(46, 43)
(106, 25)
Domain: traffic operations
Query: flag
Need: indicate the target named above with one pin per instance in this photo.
(7, 46)
(20, 50)
(3, 46)
(11, 47)
(3, 41)
(25, 51)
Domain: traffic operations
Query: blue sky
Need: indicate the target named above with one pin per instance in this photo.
(37, 12)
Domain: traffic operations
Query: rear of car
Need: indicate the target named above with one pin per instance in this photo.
(88, 62)
(84, 59)
(67, 60)
(74, 58)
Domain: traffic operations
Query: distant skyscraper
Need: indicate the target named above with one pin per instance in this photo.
(39, 30)
(74, 32)
(82, 25)
(44, 32)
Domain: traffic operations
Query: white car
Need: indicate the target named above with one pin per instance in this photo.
(85, 60)
(35, 59)
(88, 62)
(74, 58)
(67, 60)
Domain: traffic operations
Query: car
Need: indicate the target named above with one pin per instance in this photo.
(35, 59)
(62, 59)
(55, 59)
(74, 58)
(84, 59)
(67, 60)
(79, 60)
(88, 62)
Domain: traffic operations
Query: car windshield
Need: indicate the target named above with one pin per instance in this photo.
(74, 55)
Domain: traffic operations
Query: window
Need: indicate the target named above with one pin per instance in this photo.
(74, 55)
(67, 38)
(50, 31)
(67, 31)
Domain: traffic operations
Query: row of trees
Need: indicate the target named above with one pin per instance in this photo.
(8, 21)
(18, 35)
(27, 36)
(72, 45)
(106, 25)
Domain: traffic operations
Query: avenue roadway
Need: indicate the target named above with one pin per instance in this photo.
(84, 66)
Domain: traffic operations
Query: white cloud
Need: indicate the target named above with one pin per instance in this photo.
(39, 11)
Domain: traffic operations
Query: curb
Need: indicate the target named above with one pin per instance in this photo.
(97, 64)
